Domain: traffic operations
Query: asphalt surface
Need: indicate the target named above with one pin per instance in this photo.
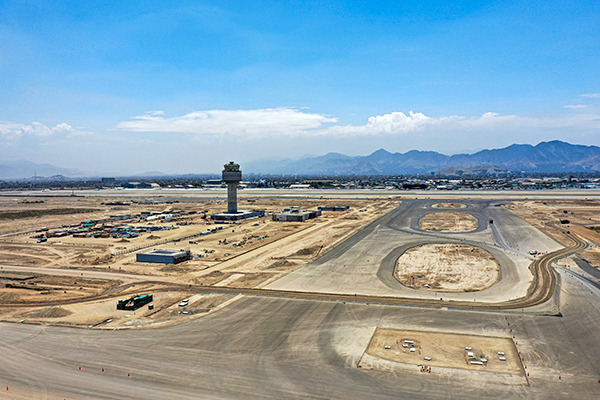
(585, 266)
(276, 348)
(318, 194)
(364, 263)
(290, 349)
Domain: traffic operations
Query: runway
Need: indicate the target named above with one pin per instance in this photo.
(364, 263)
(293, 349)
(361, 268)
(278, 348)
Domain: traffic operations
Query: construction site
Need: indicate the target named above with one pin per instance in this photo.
(480, 292)
(450, 353)
(241, 254)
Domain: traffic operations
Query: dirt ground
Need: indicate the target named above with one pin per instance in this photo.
(446, 350)
(592, 256)
(103, 313)
(444, 267)
(449, 205)
(18, 214)
(581, 217)
(252, 253)
(448, 222)
(15, 288)
(228, 242)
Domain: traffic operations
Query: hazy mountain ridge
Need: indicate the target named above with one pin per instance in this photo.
(26, 169)
(553, 156)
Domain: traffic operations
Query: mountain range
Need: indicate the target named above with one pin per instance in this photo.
(546, 157)
(26, 169)
(554, 156)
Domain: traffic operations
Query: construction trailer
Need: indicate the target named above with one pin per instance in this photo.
(134, 303)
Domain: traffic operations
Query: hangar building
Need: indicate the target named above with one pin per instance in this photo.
(164, 256)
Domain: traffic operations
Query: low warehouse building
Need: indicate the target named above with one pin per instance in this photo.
(296, 214)
(164, 256)
(334, 208)
(239, 215)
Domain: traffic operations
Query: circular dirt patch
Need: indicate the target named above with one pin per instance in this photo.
(449, 205)
(444, 267)
(448, 222)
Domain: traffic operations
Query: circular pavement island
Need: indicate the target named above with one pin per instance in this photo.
(449, 205)
(448, 222)
(447, 267)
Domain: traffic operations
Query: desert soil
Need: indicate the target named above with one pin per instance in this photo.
(448, 222)
(33, 289)
(581, 217)
(449, 205)
(250, 254)
(446, 350)
(444, 267)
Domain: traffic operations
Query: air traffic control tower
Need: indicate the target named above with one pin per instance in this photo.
(232, 175)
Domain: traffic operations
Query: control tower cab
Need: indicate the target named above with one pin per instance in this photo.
(232, 175)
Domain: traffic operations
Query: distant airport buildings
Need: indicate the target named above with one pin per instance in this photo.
(108, 181)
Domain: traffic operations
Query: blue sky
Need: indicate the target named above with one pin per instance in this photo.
(182, 87)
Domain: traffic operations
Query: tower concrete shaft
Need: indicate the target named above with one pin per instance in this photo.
(232, 197)
(232, 175)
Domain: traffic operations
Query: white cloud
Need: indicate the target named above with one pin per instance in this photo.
(14, 130)
(492, 120)
(393, 123)
(398, 123)
(575, 106)
(235, 122)
(591, 95)
(293, 122)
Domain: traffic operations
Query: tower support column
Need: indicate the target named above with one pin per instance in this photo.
(232, 176)
(232, 197)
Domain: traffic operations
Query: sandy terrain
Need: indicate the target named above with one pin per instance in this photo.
(103, 314)
(227, 243)
(18, 214)
(592, 256)
(252, 253)
(449, 205)
(446, 350)
(581, 217)
(448, 222)
(42, 288)
(592, 234)
(447, 268)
